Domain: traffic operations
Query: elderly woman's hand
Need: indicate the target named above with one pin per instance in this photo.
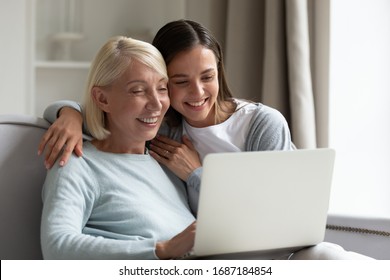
(62, 138)
(181, 158)
(178, 246)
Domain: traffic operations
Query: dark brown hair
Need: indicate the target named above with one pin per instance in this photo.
(182, 35)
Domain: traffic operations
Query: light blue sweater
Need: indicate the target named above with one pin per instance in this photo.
(110, 206)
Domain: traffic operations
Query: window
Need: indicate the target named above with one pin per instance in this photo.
(359, 125)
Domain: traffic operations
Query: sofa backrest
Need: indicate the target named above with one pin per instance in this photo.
(22, 174)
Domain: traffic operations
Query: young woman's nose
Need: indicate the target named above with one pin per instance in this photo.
(197, 88)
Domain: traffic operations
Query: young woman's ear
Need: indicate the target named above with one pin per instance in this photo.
(100, 98)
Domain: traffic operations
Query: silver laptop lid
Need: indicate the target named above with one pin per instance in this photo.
(255, 201)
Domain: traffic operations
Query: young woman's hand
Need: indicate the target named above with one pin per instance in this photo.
(63, 136)
(181, 158)
(178, 246)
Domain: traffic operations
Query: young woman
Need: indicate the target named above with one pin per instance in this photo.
(116, 202)
(203, 108)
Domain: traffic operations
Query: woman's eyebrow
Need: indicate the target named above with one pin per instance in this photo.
(143, 81)
(208, 70)
(136, 81)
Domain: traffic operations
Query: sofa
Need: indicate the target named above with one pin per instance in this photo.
(22, 174)
(366, 235)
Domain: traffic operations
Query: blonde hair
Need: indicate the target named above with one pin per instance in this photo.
(111, 61)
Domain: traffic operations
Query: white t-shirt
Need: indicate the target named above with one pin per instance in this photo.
(228, 136)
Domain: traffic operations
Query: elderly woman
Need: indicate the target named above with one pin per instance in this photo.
(116, 202)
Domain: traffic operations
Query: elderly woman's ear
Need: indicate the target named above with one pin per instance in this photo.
(99, 96)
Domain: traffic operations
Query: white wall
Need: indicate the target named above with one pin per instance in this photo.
(14, 61)
(29, 84)
(101, 19)
(360, 106)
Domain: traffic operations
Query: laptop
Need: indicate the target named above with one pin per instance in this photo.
(262, 205)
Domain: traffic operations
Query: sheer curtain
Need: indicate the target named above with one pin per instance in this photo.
(277, 52)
